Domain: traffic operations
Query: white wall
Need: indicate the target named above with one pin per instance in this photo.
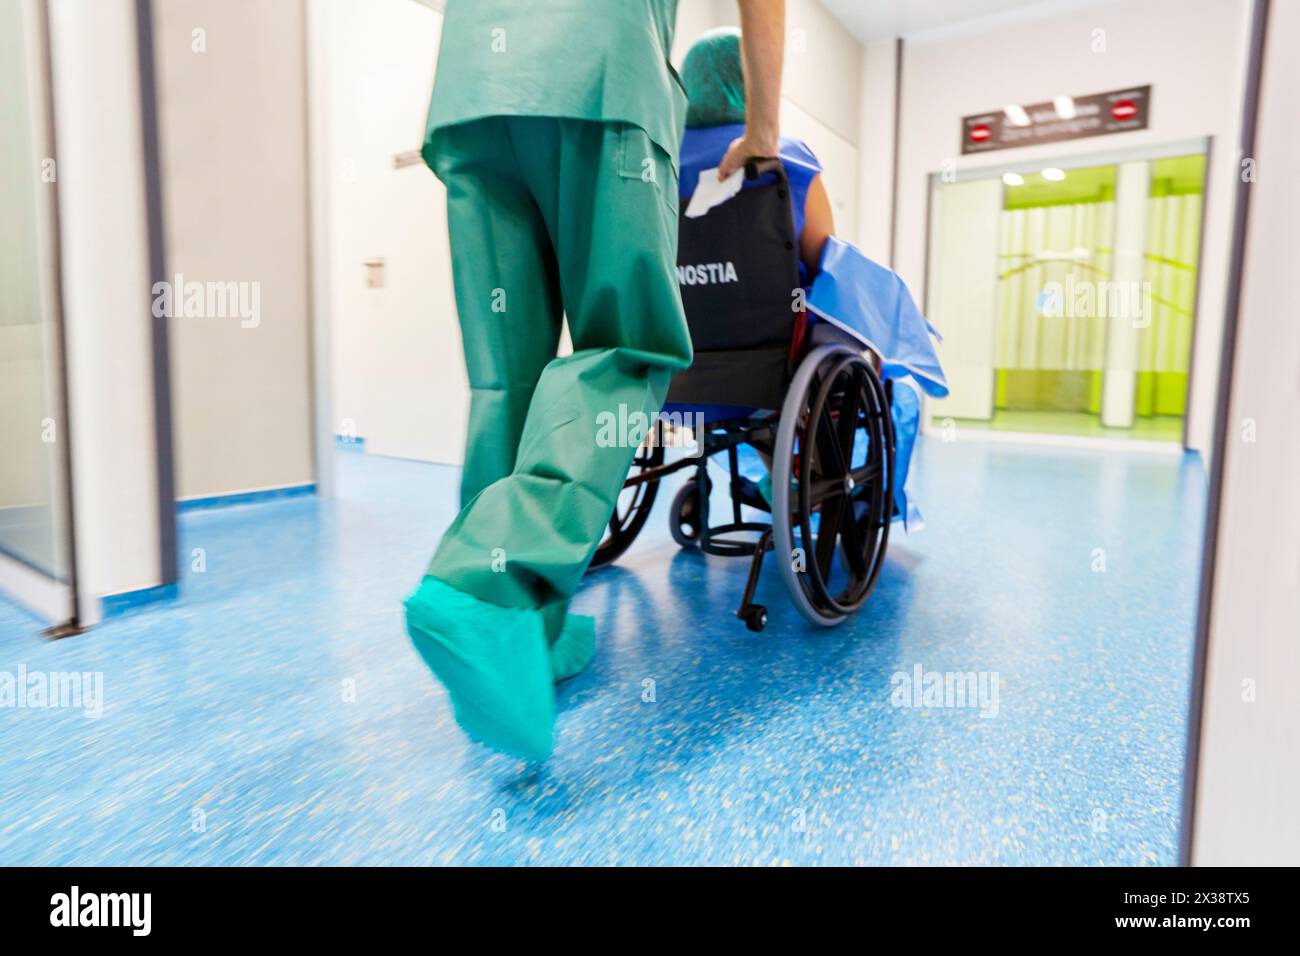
(966, 287)
(234, 170)
(823, 61)
(1192, 51)
(696, 16)
(877, 107)
(1248, 787)
(839, 159)
(106, 296)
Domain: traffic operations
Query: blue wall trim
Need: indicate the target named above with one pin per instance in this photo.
(245, 498)
(115, 605)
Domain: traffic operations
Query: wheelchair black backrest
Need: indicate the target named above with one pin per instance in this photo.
(738, 266)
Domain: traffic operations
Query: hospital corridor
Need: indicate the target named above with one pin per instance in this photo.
(840, 434)
(686, 740)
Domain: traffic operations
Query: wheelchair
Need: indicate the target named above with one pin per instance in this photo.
(819, 415)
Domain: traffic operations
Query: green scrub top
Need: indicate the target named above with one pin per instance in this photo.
(601, 60)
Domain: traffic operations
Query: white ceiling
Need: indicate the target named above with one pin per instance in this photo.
(881, 19)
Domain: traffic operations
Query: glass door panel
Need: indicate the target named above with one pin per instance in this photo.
(33, 431)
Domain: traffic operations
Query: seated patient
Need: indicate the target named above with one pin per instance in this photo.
(852, 290)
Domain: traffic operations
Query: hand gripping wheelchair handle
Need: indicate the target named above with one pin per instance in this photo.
(762, 165)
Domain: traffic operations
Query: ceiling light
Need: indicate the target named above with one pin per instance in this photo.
(1013, 179)
(1053, 175)
(1064, 107)
(1016, 114)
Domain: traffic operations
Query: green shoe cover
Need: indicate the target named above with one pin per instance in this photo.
(494, 663)
(574, 648)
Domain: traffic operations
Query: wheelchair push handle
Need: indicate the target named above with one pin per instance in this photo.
(762, 165)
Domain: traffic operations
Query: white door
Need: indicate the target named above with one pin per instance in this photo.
(399, 378)
(962, 300)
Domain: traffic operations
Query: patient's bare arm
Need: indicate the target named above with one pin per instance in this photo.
(819, 225)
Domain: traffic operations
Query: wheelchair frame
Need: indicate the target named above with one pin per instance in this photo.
(860, 538)
(833, 398)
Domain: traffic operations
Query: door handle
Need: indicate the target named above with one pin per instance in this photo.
(412, 157)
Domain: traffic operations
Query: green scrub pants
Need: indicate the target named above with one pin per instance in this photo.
(552, 217)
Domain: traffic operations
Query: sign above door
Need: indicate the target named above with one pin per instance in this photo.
(1066, 117)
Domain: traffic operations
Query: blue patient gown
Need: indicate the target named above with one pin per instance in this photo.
(863, 300)
(870, 303)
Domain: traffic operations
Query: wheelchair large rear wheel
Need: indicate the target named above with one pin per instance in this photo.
(832, 483)
(634, 503)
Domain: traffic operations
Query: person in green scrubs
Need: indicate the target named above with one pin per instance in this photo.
(555, 126)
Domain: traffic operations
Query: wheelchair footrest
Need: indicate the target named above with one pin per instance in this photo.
(755, 615)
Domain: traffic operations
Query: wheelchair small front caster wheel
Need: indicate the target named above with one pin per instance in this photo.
(684, 519)
(756, 617)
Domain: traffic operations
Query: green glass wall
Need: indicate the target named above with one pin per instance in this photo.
(1172, 257)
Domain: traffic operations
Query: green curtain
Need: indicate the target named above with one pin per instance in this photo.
(1048, 357)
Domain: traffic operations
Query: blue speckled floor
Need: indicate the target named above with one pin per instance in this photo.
(230, 732)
